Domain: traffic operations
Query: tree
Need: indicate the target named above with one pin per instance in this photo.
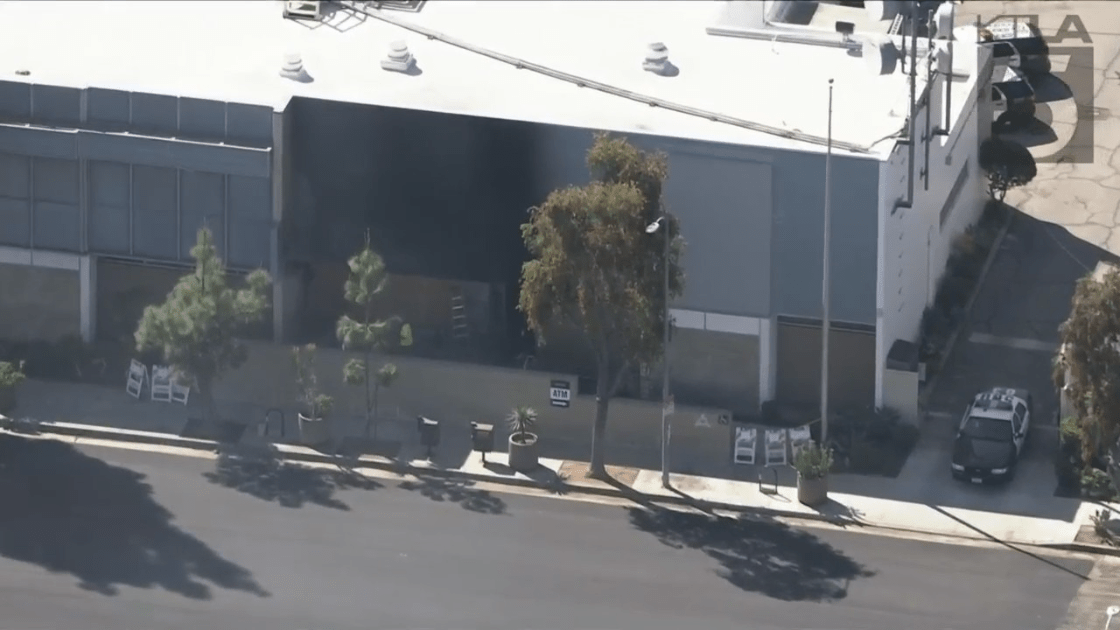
(367, 280)
(195, 329)
(1089, 366)
(1008, 164)
(593, 266)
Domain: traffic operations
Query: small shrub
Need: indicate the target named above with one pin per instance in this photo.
(952, 295)
(813, 462)
(1096, 484)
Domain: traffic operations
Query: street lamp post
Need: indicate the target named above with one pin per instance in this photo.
(662, 223)
(1111, 612)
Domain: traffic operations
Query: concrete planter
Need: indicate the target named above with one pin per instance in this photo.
(523, 455)
(812, 492)
(313, 431)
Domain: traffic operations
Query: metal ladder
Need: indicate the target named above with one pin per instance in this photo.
(459, 328)
(896, 25)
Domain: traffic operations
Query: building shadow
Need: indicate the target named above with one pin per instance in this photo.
(757, 554)
(458, 491)
(290, 485)
(68, 512)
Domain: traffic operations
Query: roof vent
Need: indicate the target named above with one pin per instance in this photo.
(657, 60)
(399, 58)
(293, 68)
(880, 55)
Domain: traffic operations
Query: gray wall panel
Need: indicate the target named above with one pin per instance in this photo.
(798, 237)
(108, 183)
(172, 154)
(724, 207)
(58, 226)
(15, 100)
(56, 180)
(202, 120)
(14, 176)
(250, 124)
(783, 235)
(154, 212)
(15, 222)
(39, 142)
(202, 203)
(250, 221)
(107, 108)
(154, 114)
(55, 105)
(108, 230)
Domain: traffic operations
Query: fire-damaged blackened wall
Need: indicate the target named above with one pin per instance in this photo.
(441, 196)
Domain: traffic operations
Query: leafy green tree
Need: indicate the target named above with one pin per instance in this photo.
(367, 335)
(195, 329)
(1008, 164)
(1089, 366)
(593, 266)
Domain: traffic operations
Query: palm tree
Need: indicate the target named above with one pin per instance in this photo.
(521, 421)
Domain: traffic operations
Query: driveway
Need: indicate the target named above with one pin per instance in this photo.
(1067, 223)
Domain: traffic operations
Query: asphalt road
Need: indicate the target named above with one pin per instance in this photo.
(100, 539)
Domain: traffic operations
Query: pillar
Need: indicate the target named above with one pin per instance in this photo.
(87, 283)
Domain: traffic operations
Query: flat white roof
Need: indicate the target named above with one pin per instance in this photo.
(233, 50)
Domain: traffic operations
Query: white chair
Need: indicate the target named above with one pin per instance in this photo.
(746, 445)
(137, 376)
(776, 447)
(799, 439)
(179, 393)
(161, 383)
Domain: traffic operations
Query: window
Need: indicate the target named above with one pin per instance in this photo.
(987, 429)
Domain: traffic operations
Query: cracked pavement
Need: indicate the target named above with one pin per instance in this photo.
(1068, 221)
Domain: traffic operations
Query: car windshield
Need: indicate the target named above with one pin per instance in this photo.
(987, 429)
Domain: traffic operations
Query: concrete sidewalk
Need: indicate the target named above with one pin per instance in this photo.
(88, 412)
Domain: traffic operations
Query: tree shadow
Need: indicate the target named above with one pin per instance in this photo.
(290, 485)
(456, 491)
(72, 513)
(758, 555)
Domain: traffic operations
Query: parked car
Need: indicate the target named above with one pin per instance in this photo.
(992, 435)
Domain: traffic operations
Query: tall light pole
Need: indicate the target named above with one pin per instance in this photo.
(662, 223)
(826, 280)
(1111, 612)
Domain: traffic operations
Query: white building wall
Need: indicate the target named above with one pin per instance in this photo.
(916, 241)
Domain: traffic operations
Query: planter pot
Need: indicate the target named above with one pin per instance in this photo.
(313, 430)
(812, 492)
(523, 452)
(7, 400)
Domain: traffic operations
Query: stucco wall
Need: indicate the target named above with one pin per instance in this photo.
(457, 393)
(918, 240)
(38, 303)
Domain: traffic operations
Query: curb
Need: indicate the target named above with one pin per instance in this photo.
(47, 429)
(1099, 550)
(951, 343)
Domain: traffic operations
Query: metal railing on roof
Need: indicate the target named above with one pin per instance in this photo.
(582, 82)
